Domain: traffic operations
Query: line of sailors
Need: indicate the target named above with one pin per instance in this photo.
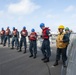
(62, 42)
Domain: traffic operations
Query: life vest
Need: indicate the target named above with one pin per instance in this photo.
(14, 32)
(59, 41)
(24, 32)
(2, 32)
(33, 36)
(7, 32)
(44, 33)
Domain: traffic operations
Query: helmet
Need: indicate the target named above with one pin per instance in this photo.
(61, 27)
(42, 25)
(2, 28)
(24, 27)
(33, 30)
(13, 28)
(66, 29)
(8, 27)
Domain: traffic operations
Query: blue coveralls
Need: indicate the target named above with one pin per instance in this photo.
(23, 40)
(45, 48)
(15, 39)
(7, 37)
(2, 37)
(33, 45)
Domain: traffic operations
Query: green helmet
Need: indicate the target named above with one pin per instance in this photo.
(66, 29)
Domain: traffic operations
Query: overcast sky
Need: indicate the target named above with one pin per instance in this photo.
(30, 13)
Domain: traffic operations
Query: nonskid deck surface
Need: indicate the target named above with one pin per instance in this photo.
(14, 63)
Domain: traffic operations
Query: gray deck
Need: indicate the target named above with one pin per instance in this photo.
(15, 63)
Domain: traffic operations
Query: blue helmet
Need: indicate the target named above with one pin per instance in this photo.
(42, 25)
(2, 28)
(24, 27)
(13, 28)
(32, 30)
(8, 27)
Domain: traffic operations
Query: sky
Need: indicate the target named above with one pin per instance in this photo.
(30, 13)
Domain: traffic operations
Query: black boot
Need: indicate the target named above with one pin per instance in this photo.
(4, 45)
(56, 63)
(34, 56)
(31, 55)
(64, 64)
(46, 60)
(20, 50)
(24, 51)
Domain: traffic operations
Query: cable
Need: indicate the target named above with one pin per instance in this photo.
(48, 69)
